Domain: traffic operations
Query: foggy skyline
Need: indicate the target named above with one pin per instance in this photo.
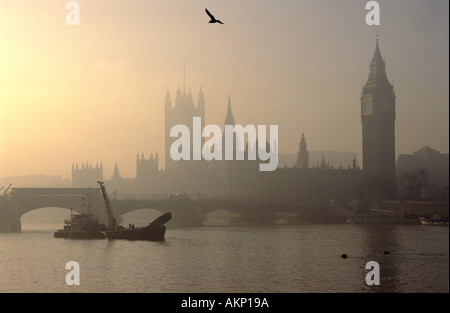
(95, 92)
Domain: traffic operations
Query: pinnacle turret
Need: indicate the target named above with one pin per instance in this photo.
(229, 119)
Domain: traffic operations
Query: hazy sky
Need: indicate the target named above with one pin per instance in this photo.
(95, 92)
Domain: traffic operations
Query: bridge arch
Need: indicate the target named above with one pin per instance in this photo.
(218, 217)
(44, 218)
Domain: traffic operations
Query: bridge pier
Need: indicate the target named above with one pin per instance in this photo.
(9, 222)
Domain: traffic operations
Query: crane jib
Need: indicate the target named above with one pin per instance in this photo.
(111, 219)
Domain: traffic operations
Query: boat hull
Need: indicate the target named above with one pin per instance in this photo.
(144, 233)
(79, 234)
(434, 220)
(87, 227)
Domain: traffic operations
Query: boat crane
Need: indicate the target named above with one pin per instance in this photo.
(111, 220)
(6, 191)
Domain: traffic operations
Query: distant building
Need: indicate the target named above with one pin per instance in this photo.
(118, 183)
(302, 154)
(336, 159)
(435, 163)
(86, 175)
(308, 178)
(146, 168)
(335, 176)
(182, 113)
(229, 120)
(378, 130)
(147, 172)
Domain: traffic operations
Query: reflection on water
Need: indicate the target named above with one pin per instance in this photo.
(275, 259)
(380, 244)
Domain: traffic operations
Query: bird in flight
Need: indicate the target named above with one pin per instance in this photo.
(213, 19)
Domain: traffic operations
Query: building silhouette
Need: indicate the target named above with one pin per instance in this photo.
(435, 164)
(310, 180)
(302, 154)
(146, 169)
(86, 175)
(182, 113)
(296, 185)
(378, 130)
(229, 118)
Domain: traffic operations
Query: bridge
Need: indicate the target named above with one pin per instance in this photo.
(190, 212)
(185, 211)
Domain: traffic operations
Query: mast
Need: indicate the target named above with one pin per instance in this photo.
(111, 219)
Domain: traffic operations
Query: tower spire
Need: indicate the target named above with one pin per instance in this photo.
(302, 154)
(168, 103)
(201, 100)
(229, 119)
(377, 74)
(377, 60)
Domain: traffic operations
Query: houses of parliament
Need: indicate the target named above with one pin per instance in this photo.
(302, 183)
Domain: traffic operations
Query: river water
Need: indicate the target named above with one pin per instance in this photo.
(244, 259)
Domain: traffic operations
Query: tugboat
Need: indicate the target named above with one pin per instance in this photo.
(88, 226)
(81, 226)
(434, 220)
(155, 231)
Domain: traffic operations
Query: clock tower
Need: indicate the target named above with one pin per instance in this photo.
(378, 130)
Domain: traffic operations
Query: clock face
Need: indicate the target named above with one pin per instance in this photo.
(367, 108)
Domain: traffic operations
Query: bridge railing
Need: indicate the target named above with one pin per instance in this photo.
(54, 191)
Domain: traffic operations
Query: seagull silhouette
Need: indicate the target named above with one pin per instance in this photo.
(213, 19)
